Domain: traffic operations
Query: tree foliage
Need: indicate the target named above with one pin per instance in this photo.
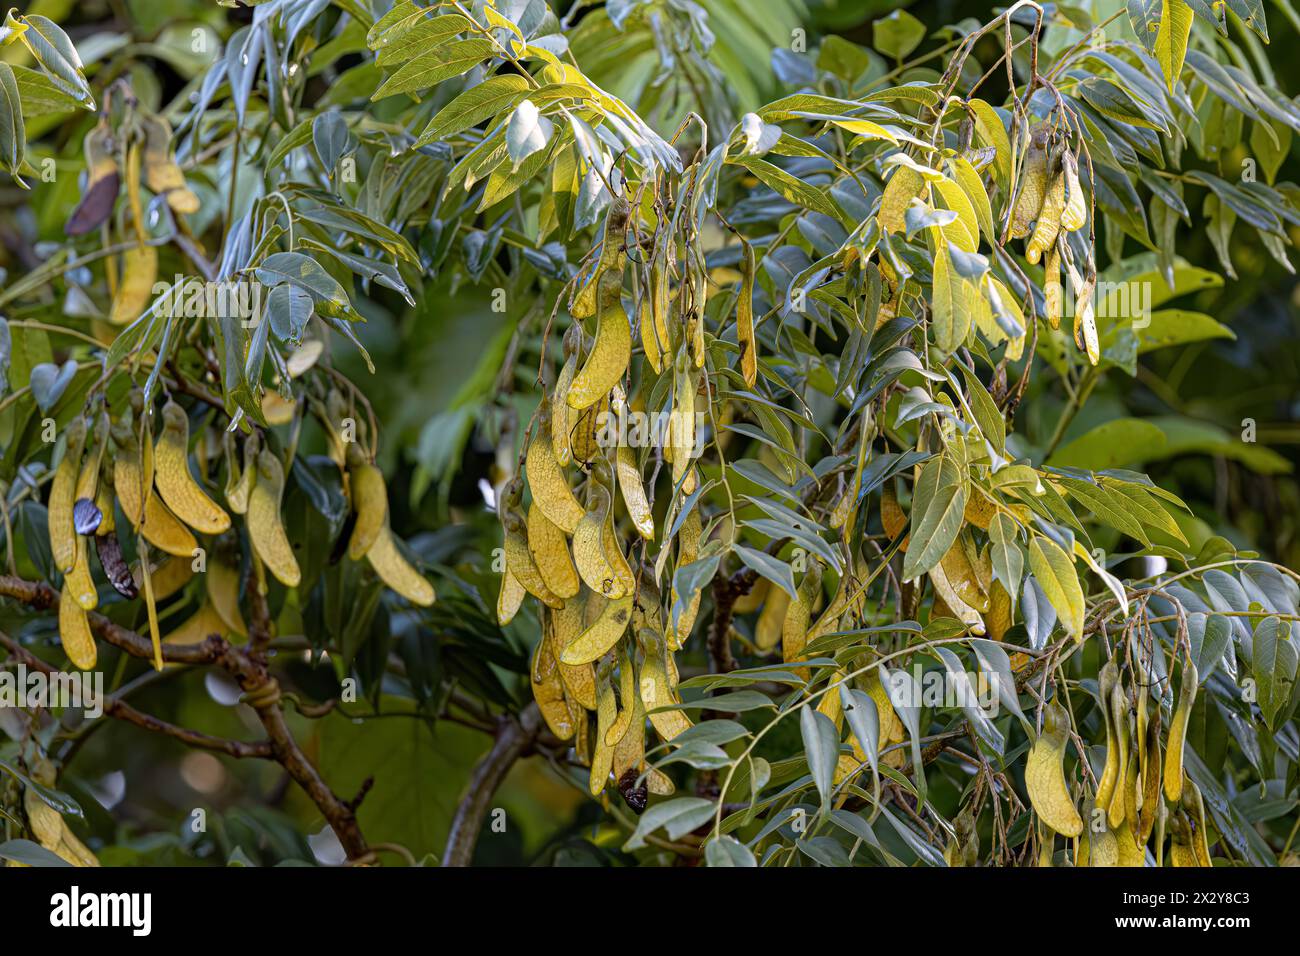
(785, 443)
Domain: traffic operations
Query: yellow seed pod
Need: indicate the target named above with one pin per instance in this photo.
(585, 430)
(948, 598)
(688, 550)
(88, 480)
(223, 594)
(659, 309)
(794, 631)
(1045, 776)
(634, 493)
(771, 620)
(627, 692)
(73, 850)
(892, 516)
(563, 627)
(1053, 290)
(602, 758)
(132, 470)
(509, 598)
(753, 601)
(239, 482)
(198, 627)
(589, 552)
(561, 420)
(162, 175)
(1075, 215)
(1151, 770)
(180, 492)
(998, 619)
(546, 479)
(1033, 187)
(629, 751)
(369, 502)
(135, 290)
(1107, 680)
(167, 578)
(1194, 807)
(74, 631)
(63, 534)
(519, 559)
(745, 320)
(78, 581)
(1119, 719)
(603, 633)
(612, 351)
(162, 529)
(550, 550)
(398, 573)
(1182, 852)
(1048, 224)
(46, 822)
(656, 691)
(265, 525)
(649, 339)
(1173, 782)
(548, 691)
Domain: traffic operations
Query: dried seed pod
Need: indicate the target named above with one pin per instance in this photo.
(102, 183)
(634, 493)
(1173, 781)
(74, 631)
(239, 482)
(397, 572)
(369, 502)
(1045, 776)
(603, 633)
(115, 566)
(1033, 187)
(135, 288)
(612, 351)
(162, 175)
(551, 491)
(62, 530)
(550, 551)
(180, 492)
(1075, 215)
(265, 526)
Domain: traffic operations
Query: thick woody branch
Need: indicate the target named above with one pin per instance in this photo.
(515, 736)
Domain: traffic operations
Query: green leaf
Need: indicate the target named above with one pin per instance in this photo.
(1008, 559)
(940, 501)
(795, 190)
(29, 853)
(1273, 664)
(441, 63)
(821, 744)
(676, 817)
(1123, 441)
(13, 135)
(897, 34)
(55, 52)
(476, 104)
(1171, 39)
(728, 851)
(951, 316)
(307, 274)
(1056, 575)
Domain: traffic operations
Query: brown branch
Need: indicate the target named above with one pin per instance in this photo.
(114, 707)
(514, 738)
(250, 669)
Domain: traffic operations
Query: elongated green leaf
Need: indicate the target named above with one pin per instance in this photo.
(1056, 575)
